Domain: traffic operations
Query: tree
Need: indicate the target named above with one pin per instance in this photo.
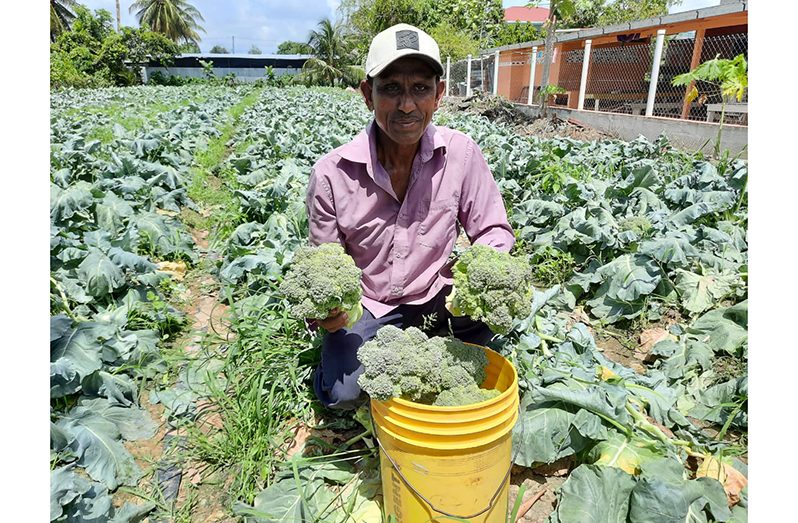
(118, 17)
(289, 47)
(189, 47)
(627, 10)
(453, 42)
(516, 33)
(594, 13)
(332, 61)
(176, 19)
(482, 19)
(730, 76)
(254, 50)
(92, 54)
(219, 49)
(479, 20)
(558, 10)
(61, 16)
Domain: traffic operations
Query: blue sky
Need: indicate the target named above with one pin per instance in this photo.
(266, 23)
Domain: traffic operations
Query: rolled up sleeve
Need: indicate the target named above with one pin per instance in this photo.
(482, 212)
(322, 221)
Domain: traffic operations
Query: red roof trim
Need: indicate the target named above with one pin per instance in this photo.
(526, 14)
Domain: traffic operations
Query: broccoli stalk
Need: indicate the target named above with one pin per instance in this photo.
(435, 371)
(322, 279)
(491, 286)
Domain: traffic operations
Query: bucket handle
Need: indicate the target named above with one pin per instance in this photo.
(428, 502)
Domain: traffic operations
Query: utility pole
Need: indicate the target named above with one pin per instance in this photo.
(234, 45)
(118, 18)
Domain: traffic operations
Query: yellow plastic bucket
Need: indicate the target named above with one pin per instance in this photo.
(441, 463)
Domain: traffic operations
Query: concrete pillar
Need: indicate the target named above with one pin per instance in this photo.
(583, 81)
(448, 69)
(468, 77)
(496, 74)
(652, 85)
(532, 65)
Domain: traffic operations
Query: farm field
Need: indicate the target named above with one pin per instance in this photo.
(180, 384)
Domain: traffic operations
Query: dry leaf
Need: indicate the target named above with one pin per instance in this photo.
(733, 480)
(176, 270)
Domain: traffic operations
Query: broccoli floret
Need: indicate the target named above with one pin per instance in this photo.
(639, 225)
(493, 287)
(408, 364)
(321, 279)
(464, 396)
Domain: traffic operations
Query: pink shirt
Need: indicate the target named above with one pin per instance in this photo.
(403, 247)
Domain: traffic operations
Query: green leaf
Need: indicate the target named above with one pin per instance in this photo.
(98, 447)
(66, 203)
(724, 329)
(65, 487)
(701, 292)
(118, 388)
(659, 499)
(594, 494)
(624, 453)
(80, 348)
(99, 274)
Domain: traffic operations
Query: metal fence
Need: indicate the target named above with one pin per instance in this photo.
(481, 79)
(617, 76)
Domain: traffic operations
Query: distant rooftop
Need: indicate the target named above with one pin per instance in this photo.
(246, 55)
(535, 15)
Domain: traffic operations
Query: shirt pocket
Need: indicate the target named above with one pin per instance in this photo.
(437, 224)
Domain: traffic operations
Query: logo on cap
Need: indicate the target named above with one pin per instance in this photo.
(406, 39)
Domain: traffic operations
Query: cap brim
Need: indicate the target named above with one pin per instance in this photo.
(437, 67)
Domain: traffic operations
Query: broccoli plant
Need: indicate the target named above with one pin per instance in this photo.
(434, 371)
(323, 278)
(492, 286)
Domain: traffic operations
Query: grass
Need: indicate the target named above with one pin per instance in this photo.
(212, 185)
(245, 427)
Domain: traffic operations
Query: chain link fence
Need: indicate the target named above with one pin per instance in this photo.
(619, 75)
(481, 75)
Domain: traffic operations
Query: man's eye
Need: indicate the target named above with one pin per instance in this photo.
(422, 88)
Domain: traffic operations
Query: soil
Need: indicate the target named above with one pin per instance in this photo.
(200, 497)
(501, 110)
(541, 483)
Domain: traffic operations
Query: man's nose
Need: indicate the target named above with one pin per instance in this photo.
(406, 103)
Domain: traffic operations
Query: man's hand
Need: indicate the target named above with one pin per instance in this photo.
(336, 320)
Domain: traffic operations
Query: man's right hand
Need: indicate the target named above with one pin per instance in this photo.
(335, 321)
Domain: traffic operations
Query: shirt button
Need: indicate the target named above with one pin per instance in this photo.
(397, 255)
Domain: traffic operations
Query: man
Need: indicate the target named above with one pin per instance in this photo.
(395, 198)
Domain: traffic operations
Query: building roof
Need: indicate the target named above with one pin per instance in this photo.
(535, 15)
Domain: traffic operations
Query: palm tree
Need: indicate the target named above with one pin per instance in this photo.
(332, 59)
(175, 19)
(61, 16)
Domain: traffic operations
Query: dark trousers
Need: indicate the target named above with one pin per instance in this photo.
(335, 380)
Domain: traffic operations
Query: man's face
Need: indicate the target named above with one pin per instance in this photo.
(404, 97)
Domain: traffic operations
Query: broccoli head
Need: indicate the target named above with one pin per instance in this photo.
(320, 279)
(464, 396)
(492, 286)
(408, 364)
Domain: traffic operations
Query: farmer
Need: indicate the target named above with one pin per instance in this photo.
(395, 197)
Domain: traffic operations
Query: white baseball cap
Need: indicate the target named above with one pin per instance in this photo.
(399, 41)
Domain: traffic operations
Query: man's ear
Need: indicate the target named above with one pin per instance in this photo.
(439, 93)
(365, 90)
